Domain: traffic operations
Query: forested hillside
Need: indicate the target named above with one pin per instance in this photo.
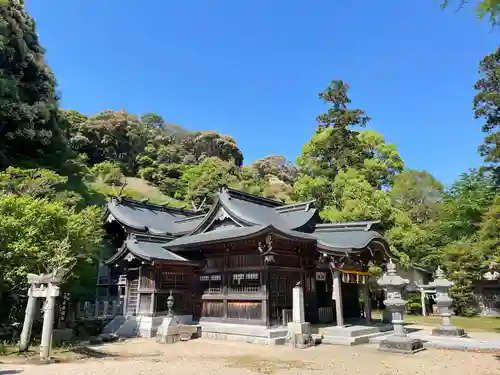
(57, 166)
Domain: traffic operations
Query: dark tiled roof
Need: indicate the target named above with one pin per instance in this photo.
(327, 240)
(345, 240)
(252, 216)
(222, 235)
(248, 210)
(154, 219)
(145, 249)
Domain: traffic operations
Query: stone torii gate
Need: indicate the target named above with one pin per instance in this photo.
(41, 286)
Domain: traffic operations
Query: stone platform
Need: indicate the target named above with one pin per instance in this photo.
(403, 345)
(244, 332)
(449, 332)
(451, 342)
(351, 334)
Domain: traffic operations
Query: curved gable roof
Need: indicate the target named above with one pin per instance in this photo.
(145, 249)
(247, 210)
(154, 219)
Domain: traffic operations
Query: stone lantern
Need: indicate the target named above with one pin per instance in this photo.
(444, 301)
(394, 302)
(170, 305)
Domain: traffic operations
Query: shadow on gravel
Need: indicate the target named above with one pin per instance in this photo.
(86, 352)
(10, 372)
(266, 366)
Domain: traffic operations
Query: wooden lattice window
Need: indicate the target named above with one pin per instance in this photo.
(173, 280)
(215, 263)
(211, 284)
(212, 309)
(244, 310)
(245, 282)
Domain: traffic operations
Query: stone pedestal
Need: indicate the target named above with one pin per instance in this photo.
(169, 331)
(444, 302)
(398, 342)
(404, 345)
(299, 331)
(449, 331)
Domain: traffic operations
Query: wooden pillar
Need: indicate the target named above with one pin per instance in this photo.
(138, 293)
(266, 302)
(153, 275)
(367, 300)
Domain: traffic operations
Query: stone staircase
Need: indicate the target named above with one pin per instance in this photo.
(352, 335)
(128, 327)
(244, 333)
(114, 324)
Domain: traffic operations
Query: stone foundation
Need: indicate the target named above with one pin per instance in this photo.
(148, 326)
(402, 345)
(60, 336)
(244, 333)
(450, 332)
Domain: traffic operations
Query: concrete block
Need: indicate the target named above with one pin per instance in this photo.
(60, 336)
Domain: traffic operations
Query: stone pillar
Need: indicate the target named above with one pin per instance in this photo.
(443, 302)
(96, 308)
(299, 330)
(422, 301)
(367, 300)
(337, 297)
(28, 321)
(394, 302)
(298, 312)
(114, 309)
(48, 320)
(87, 313)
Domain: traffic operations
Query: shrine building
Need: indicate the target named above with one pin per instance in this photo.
(235, 264)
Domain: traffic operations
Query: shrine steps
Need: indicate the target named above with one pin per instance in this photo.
(244, 333)
(352, 335)
(138, 326)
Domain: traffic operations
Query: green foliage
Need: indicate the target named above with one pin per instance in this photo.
(419, 194)
(29, 127)
(484, 8)
(205, 178)
(108, 172)
(36, 232)
(487, 107)
(464, 204)
(353, 199)
(414, 306)
(56, 166)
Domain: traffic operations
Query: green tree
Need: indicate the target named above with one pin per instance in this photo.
(36, 231)
(334, 146)
(29, 126)
(108, 172)
(487, 107)
(353, 199)
(208, 176)
(381, 161)
(465, 203)
(112, 136)
(489, 234)
(484, 8)
(419, 194)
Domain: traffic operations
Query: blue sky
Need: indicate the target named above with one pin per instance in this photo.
(253, 69)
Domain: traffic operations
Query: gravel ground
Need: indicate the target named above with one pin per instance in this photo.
(140, 356)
